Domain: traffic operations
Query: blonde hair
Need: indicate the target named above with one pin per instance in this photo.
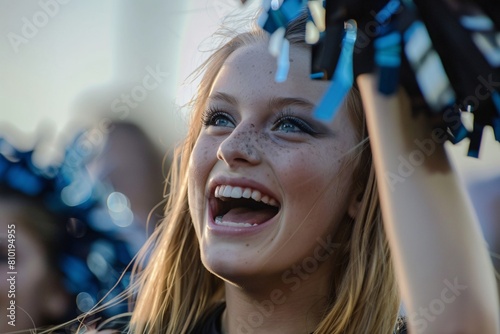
(175, 291)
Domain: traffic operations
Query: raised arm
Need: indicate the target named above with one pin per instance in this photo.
(445, 273)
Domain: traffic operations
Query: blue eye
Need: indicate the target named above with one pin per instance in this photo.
(292, 124)
(287, 125)
(220, 120)
(213, 117)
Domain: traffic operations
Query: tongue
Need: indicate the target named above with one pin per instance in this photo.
(249, 216)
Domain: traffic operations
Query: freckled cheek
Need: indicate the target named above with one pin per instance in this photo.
(196, 206)
(293, 169)
(302, 169)
(202, 158)
(201, 162)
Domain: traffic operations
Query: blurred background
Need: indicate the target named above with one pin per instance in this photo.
(74, 66)
(66, 63)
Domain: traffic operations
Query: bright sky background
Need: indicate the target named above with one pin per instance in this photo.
(67, 61)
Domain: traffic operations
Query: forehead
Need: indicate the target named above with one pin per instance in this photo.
(250, 70)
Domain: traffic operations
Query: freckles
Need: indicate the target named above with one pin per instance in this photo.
(252, 140)
(248, 149)
(267, 146)
(263, 136)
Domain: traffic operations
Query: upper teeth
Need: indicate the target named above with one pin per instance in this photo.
(226, 191)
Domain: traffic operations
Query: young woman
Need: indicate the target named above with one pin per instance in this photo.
(273, 222)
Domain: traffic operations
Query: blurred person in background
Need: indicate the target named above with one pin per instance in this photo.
(130, 162)
(72, 236)
(38, 293)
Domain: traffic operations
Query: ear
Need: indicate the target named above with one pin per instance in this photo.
(355, 203)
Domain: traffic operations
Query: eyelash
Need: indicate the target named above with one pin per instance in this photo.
(287, 115)
(209, 116)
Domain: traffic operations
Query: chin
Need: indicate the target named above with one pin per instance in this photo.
(232, 264)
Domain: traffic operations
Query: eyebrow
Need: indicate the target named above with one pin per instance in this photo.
(282, 102)
(274, 103)
(224, 98)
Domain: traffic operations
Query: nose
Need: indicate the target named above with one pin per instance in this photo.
(241, 147)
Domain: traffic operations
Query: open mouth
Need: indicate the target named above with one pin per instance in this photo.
(242, 207)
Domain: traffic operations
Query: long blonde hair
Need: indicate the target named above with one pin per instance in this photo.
(174, 291)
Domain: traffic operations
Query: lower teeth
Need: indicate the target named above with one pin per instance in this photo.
(218, 221)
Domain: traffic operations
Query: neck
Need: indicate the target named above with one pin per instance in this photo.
(294, 306)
